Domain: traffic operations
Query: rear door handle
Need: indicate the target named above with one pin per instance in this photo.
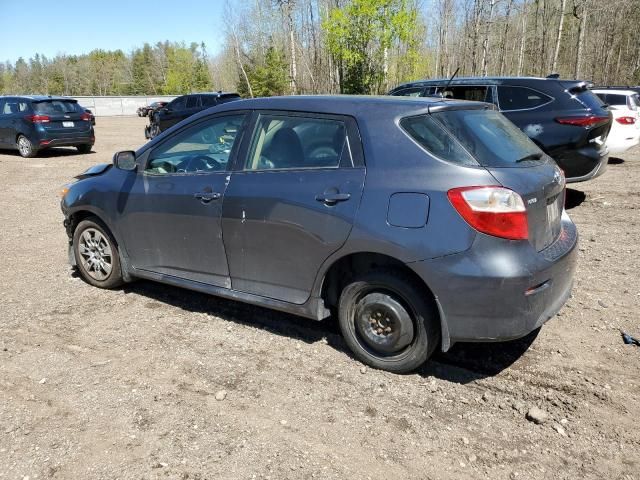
(207, 196)
(333, 198)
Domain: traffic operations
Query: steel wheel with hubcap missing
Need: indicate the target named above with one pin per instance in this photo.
(96, 254)
(388, 321)
(25, 147)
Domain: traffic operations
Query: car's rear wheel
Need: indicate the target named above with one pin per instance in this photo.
(84, 148)
(96, 254)
(26, 148)
(388, 321)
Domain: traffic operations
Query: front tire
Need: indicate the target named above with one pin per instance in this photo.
(97, 254)
(388, 322)
(84, 148)
(26, 148)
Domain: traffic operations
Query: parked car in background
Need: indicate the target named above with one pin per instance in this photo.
(625, 129)
(564, 118)
(182, 107)
(418, 223)
(148, 109)
(33, 123)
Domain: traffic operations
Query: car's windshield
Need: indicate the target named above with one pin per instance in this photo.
(473, 137)
(53, 107)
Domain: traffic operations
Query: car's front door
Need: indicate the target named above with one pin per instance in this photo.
(172, 113)
(171, 217)
(292, 203)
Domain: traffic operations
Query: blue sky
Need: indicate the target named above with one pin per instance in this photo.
(49, 27)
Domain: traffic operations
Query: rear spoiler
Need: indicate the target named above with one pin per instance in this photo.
(577, 86)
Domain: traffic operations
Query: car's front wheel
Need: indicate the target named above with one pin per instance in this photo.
(96, 254)
(388, 321)
(26, 148)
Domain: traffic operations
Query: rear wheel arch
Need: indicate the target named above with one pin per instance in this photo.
(347, 267)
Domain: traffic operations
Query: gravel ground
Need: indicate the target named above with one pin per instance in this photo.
(155, 382)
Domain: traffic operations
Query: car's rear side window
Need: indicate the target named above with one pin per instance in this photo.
(613, 99)
(436, 140)
(14, 105)
(520, 98)
(53, 107)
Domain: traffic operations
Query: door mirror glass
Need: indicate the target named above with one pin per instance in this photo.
(125, 160)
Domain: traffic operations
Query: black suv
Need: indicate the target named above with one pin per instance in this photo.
(33, 123)
(563, 117)
(182, 107)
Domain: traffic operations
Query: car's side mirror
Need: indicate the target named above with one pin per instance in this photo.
(166, 110)
(125, 160)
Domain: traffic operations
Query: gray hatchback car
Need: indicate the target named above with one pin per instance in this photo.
(417, 222)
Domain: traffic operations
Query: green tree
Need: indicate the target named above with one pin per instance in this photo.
(269, 78)
(360, 36)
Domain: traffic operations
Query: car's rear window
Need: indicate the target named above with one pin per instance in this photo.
(473, 137)
(53, 107)
(589, 99)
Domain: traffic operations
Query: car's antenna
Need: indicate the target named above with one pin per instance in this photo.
(451, 79)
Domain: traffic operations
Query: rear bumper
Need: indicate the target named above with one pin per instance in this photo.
(584, 163)
(621, 142)
(65, 142)
(499, 289)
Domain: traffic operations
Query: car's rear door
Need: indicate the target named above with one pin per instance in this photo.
(5, 123)
(292, 202)
(170, 219)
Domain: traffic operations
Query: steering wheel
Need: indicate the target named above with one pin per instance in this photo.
(200, 163)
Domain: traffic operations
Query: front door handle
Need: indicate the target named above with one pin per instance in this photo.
(207, 196)
(333, 198)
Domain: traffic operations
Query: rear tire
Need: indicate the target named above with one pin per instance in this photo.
(388, 322)
(84, 148)
(26, 148)
(97, 255)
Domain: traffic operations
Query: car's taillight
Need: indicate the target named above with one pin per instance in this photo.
(37, 118)
(495, 211)
(86, 117)
(589, 121)
(626, 120)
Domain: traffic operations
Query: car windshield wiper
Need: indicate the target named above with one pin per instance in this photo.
(531, 156)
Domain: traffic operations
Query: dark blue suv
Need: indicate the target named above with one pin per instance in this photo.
(563, 117)
(33, 123)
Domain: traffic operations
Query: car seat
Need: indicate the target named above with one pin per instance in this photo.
(285, 150)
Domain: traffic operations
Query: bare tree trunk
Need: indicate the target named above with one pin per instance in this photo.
(485, 41)
(523, 39)
(558, 37)
(503, 43)
(581, 32)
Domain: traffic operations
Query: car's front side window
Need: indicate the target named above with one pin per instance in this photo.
(205, 147)
(295, 142)
(178, 103)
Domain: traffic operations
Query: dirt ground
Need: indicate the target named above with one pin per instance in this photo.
(128, 384)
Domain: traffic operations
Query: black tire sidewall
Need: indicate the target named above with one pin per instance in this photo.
(114, 280)
(84, 148)
(417, 302)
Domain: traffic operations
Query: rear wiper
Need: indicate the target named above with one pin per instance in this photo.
(531, 156)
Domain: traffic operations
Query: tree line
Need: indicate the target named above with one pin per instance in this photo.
(275, 47)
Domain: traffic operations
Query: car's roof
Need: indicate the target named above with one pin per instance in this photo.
(484, 80)
(353, 104)
(40, 98)
(614, 91)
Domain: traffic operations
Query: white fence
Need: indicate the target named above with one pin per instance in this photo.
(114, 106)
